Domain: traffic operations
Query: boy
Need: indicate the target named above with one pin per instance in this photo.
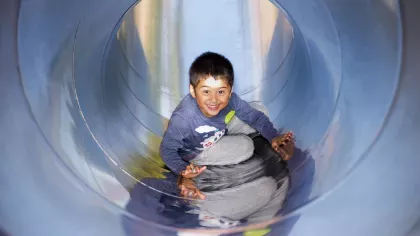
(202, 117)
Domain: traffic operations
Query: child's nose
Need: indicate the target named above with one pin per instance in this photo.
(213, 98)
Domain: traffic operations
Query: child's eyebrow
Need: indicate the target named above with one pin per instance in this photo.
(205, 86)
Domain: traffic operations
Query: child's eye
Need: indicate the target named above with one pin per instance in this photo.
(205, 92)
(221, 92)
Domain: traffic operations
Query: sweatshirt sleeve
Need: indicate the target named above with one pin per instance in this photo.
(173, 141)
(253, 117)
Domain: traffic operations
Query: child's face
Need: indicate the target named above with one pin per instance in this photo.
(212, 95)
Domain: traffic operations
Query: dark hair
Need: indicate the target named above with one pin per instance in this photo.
(211, 64)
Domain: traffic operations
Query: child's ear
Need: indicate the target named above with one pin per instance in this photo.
(192, 91)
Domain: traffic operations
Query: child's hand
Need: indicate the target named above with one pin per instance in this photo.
(189, 190)
(285, 145)
(192, 171)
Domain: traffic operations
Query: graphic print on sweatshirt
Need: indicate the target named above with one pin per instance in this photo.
(210, 135)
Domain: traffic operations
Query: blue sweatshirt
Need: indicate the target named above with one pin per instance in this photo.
(190, 132)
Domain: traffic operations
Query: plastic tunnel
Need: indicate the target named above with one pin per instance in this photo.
(85, 84)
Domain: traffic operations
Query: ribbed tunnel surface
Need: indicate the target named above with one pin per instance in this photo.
(86, 95)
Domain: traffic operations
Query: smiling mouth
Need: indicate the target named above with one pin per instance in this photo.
(213, 107)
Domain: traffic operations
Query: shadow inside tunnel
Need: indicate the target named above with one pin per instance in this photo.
(3, 233)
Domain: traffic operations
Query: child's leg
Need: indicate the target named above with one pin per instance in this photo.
(230, 149)
(275, 205)
(239, 202)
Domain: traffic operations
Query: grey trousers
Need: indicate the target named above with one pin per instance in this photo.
(256, 200)
(233, 148)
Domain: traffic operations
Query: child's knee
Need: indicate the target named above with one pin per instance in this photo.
(237, 126)
(228, 150)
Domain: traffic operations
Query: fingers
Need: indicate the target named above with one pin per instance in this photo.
(285, 145)
(201, 195)
(283, 140)
(187, 171)
(192, 193)
(192, 171)
(288, 151)
(287, 136)
(286, 139)
(187, 193)
(201, 169)
(193, 168)
(196, 169)
(284, 155)
(276, 147)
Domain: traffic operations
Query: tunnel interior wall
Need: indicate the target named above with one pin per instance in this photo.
(362, 130)
(358, 55)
